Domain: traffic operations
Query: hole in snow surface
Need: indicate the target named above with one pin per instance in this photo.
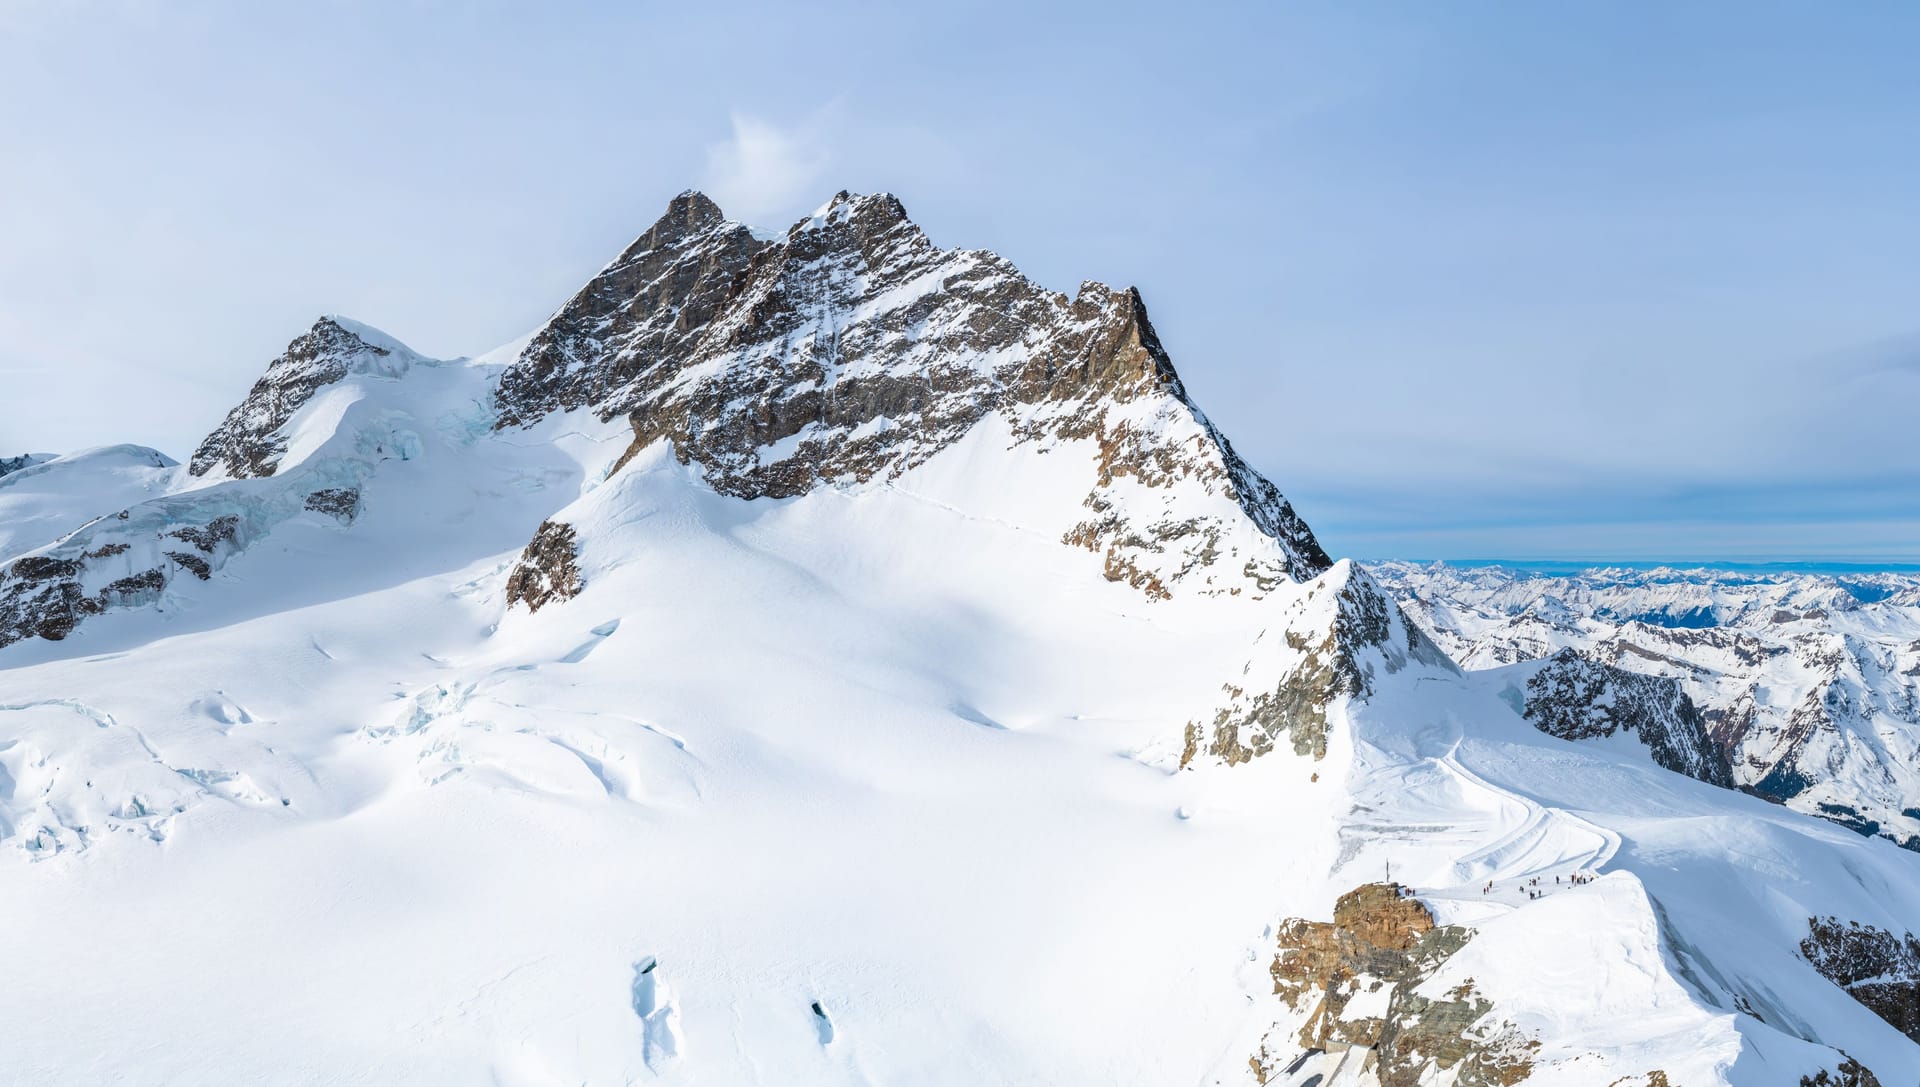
(653, 1002)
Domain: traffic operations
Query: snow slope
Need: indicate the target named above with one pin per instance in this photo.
(837, 760)
(53, 496)
(1809, 682)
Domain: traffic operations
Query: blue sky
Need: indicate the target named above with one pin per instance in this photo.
(1627, 281)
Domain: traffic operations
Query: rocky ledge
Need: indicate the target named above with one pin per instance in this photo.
(547, 571)
(1366, 631)
(1850, 1073)
(1880, 969)
(112, 562)
(1356, 978)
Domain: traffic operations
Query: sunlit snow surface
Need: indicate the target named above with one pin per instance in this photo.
(1812, 679)
(876, 785)
(43, 501)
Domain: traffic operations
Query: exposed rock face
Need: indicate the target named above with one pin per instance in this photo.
(112, 562)
(650, 308)
(1383, 939)
(9, 465)
(247, 442)
(340, 503)
(46, 598)
(1366, 630)
(39, 599)
(1851, 1073)
(1576, 698)
(547, 571)
(1878, 968)
(854, 349)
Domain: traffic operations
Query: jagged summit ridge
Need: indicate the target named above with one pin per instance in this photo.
(651, 304)
(248, 442)
(854, 349)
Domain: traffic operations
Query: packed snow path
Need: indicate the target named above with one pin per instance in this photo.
(1451, 834)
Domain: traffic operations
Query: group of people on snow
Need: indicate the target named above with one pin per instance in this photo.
(1534, 890)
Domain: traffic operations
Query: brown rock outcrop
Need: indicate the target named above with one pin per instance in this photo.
(1880, 969)
(547, 571)
(1381, 938)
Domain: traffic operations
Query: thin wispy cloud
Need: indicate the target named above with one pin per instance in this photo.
(763, 173)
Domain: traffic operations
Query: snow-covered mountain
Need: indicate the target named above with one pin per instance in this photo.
(829, 658)
(24, 460)
(1810, 683)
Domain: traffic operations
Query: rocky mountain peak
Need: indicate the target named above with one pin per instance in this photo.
(869, 214)
(651, 305)
(854, 349)
(247, 443)
(689, 216)
(689, 213)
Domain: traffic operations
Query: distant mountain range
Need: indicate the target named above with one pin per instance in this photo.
(1809, 683)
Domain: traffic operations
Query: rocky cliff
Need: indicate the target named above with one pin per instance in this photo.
(1576, 697)
(1358, 977)
(854, 349)
(1880, 969)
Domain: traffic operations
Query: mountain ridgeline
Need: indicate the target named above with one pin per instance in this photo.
(854, 349)
(805, 646)
(850, 351)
